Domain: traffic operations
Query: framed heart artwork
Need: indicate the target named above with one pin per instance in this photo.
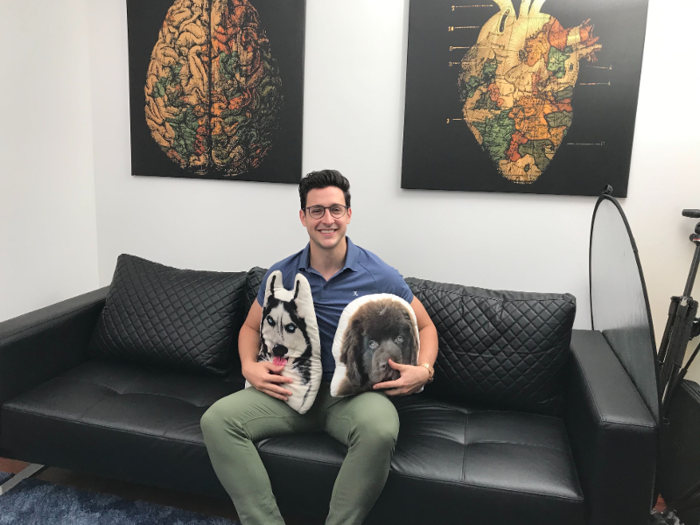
(529, 96)
(216, 88)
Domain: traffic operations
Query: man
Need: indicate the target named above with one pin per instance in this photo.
(338, 272)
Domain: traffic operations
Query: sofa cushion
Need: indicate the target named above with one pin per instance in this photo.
(119, 419)
(499, 348)
(165, 316)
(141, 424)
(451, 463)
(253, 282)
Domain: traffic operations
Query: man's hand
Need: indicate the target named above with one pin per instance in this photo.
(412, 379)
(264, 376)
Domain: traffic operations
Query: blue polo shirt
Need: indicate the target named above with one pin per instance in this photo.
(364, 273)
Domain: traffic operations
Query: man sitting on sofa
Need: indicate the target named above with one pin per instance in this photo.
(338, 272)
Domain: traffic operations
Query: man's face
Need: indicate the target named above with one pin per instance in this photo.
(326, 232)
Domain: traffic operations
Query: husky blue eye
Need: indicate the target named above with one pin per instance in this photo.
(373, 345)
(290, 328)
(270, 321)
(399, 339)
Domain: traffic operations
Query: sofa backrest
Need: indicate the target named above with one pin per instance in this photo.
(253, 281)
(499, 348)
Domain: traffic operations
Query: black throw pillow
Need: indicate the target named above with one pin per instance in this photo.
(499, 348)
(163, 316)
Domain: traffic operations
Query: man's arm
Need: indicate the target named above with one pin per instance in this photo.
(262, 375)
(413, 378)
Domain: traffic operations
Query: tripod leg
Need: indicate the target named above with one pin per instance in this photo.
(676, 351)
(670, 322)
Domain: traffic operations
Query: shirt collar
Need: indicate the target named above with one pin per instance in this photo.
(351, 257)
(305, 258)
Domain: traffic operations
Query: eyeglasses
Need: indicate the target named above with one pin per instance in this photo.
(338, 211)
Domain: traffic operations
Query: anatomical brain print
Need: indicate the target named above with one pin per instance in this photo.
(216, 88)
(522, 96)
(517, 84)
(213, 88)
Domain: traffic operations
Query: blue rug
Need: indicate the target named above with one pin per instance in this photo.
(36, 502)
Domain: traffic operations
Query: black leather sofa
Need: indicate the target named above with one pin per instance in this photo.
(480, 445)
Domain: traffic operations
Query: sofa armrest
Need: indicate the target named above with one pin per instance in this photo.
(43, 344)
(612, 433)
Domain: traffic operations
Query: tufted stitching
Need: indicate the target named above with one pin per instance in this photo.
(125, 391)
(483, 487)
(464, 448)
(254, 279)
(178, 318)
(513, 443)
(507, 349)
(111, 429)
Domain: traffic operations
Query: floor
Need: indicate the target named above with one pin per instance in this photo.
(132, 491)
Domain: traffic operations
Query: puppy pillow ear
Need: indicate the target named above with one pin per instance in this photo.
(351, 357)
(302, 295)
(273, 281)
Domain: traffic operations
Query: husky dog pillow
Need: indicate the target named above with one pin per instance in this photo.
(372, 330)
(289, 337)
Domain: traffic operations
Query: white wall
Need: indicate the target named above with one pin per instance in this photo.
(48, 241)
(665, 174)
(353, 120)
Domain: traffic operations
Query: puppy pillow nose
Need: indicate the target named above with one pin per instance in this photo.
(279, 350)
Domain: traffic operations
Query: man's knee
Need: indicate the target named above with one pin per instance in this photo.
(210, 420)
(218, 418)
(379, 426)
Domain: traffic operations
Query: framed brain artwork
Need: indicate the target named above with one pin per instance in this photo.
(528, 96)
(216, 88)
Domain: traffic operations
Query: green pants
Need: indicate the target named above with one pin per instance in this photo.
(367, 424)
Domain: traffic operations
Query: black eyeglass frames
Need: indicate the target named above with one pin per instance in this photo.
(338, 211)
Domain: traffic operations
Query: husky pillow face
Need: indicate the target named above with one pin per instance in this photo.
(372, 330)
(289, 337)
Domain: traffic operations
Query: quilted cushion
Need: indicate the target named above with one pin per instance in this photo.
(499, 348)
(254, 280)
(183, 319)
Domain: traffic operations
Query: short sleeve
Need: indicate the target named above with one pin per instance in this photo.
(393, 282)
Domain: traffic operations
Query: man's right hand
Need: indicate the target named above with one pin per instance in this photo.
(264, 376)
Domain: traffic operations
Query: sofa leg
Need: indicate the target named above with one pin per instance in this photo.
(25, 473)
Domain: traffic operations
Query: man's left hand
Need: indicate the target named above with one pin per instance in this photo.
(412, 379)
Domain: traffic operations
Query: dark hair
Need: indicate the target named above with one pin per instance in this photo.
(323, 179)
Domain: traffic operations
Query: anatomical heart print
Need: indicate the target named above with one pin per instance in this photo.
(536, 96)
(216, 88)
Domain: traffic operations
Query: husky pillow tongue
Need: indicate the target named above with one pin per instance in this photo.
(289, 337)
(279, 361)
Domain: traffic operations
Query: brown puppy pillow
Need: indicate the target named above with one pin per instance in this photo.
(372, 330)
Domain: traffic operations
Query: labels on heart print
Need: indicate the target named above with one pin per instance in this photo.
(517, 84)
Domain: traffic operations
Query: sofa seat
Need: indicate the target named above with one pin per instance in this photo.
(126, 419)
(451, 462)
